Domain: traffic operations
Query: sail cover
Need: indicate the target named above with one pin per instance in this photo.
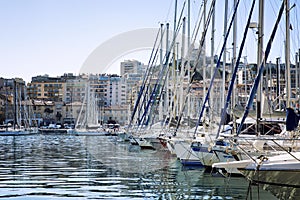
(292, 119)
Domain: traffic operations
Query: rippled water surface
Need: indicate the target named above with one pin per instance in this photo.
(101, 167)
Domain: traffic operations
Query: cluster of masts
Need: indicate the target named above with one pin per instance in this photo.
(163, 110)
(180, 60)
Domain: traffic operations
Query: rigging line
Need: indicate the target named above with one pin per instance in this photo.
(245, 49)
(286, 150)
(243, 150)
(161, 73)
(196, 17)
(174, 97)
(179, 23)
(271, 3)
(144, 81)
(160, 95)
(281, 27)
(195, 33)
(216, 69)
(148, 80)
(146, 76)
(294, 29)
(147, 88)
(154, 92)
(169, 9)
(212, 7)
(192, 46)
(152, 67)
(198, 23)
(260, 71)
(232, 82)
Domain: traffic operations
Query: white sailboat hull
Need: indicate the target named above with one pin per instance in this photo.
(280, 170)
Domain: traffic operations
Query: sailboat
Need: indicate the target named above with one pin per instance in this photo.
(22, 113)
(87, 120)
(203, 149)
(278, 173)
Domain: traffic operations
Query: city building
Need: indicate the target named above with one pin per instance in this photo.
(75, 89)
(117, 91)
(116, 114)
(132, 67)
(12, 93)
(48, 88)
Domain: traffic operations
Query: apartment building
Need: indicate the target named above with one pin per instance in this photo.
(75, 89)
(132, 67)
(48, 88)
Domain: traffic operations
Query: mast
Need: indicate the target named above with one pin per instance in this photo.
(204, 52)
(259, 60)
(234, 71)
(20, 106)
(182, 63)
(260, 71)
(296, 69)
(15, 103)
(197, 59)
(160, 113)
(233, 62)
(6, 104)
(188, 47)
(224, 55)
(167, 77)
(287, 53)
(143, 89)
(174, 70)
(174, 41)
(176, 78)
(212, 47)
(216, 69)
(278, 82)
(156, 92)
(212, 50)
(189, 24)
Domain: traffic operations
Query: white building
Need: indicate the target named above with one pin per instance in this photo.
(75, 89)
(117, 91)
(118, 114)
(132, 67)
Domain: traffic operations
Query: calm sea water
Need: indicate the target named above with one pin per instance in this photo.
(101, 167)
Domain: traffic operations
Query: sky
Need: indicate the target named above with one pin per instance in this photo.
(57, 36)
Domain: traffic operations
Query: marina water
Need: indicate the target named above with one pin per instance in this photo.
(56, 166)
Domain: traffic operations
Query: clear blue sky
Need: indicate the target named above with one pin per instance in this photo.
(56, 36)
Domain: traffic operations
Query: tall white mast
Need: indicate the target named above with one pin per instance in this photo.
(212, 50)
(182, 64)
(174, 56)
(188, 47)
(287, 53)
(160, 114)
(224, 55)
(233, 62)
(204, 52)
(259, 59)
(296, 69)
(167, 77)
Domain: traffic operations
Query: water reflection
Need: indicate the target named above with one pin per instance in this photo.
(98, 167)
